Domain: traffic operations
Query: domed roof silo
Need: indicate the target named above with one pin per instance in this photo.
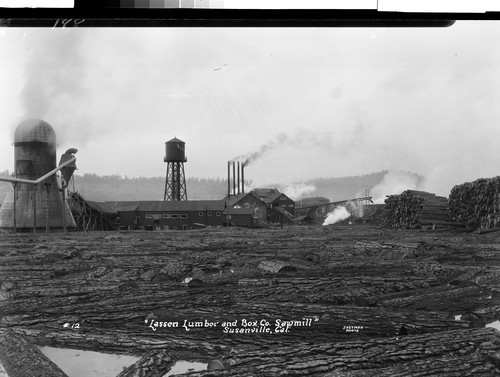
(34, 130)
(29, 206)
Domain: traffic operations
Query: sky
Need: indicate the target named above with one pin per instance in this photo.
(301, 102)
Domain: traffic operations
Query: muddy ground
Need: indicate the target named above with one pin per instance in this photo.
(345, 300)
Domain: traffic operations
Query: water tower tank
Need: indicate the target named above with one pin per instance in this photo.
(175, 151)
(175, 180)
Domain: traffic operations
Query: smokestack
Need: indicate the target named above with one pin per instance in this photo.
(229, 179)
(243, 178)
(238, 177)
(234, 178)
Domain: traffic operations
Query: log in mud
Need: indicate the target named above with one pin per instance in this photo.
(339, 300)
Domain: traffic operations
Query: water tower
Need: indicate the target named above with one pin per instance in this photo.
(175, 183)
(30, 206)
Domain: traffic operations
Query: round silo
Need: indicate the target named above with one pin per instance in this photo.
(28, 206)
(34, 149)
(175, 151)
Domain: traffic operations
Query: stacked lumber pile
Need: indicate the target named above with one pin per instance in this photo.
(476, 204)
(414, 209)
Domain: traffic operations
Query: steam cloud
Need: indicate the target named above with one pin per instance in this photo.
(297, 191)
(394, 183)
(294, 190)
(338, 214)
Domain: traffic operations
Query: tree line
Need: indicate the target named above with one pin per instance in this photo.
(118, 188)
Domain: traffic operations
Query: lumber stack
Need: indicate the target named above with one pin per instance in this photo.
(476, 204)
(413, 209)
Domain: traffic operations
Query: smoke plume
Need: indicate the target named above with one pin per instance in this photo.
(264, 149)
(338, 214)
(55, 79)
(326, 141)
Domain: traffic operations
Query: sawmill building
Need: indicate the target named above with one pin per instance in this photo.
(280, 208)
(236, 210)
(249, 201)
(173, 215)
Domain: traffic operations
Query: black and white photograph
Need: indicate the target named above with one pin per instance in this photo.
(250, 201)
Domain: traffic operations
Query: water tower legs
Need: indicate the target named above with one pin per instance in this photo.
(175, 182)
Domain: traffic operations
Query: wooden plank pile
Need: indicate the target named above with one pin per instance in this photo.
(413, 209)
(476, 204)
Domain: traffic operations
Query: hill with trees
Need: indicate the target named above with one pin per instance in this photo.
(115, 187)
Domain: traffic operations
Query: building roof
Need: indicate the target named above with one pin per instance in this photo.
(175, 140)
(123, 206)
(105, 208)
(34, 130)
(235, 199)
(267, 195)
(169, 206)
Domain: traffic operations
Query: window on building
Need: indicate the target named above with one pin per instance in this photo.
(137, 220)
(209, 213)
(166, 216)
(200, 213)
(175, 216)
(282, 198)
(283, 205)
(290, 205)
(217, 213)
(184, 216)
(149, 216)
